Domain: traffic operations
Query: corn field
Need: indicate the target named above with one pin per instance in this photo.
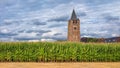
(59, 52)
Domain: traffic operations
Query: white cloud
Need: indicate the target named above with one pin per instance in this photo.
(48, 40)
(115, 35)
(33, 40)
(4, 31)
(33, 34)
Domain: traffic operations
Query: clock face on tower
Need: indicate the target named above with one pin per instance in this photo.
(75, 28)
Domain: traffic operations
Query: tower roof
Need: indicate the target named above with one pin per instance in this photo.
(73, 17)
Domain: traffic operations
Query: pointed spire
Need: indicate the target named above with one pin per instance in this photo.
(73, 17)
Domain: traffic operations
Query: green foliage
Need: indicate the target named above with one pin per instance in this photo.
(92, 40)
(59, 52)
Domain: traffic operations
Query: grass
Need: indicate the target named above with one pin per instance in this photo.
(59, 52)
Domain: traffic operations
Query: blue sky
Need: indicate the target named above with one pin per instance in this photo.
(46, 20)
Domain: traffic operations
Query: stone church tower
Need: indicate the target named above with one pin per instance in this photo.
(74, 28)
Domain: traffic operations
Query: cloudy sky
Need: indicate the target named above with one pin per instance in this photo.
(26, 20)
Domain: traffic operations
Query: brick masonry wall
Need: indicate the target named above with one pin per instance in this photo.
(74, 30)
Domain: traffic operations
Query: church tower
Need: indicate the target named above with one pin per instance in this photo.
(74, 28)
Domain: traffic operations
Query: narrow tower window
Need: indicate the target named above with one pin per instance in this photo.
(74, 22)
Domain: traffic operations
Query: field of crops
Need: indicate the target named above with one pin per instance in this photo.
(59, 52)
